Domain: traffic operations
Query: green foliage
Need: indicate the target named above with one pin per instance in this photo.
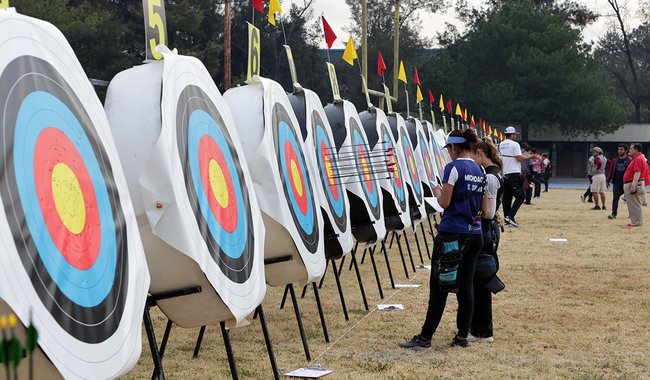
(522, 63)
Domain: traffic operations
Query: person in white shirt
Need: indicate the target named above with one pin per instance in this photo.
(510, 152)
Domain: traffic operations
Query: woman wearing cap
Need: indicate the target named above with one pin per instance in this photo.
(460, 237)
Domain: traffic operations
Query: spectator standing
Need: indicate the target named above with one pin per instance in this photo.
(510, 152)
(598, 180)
(461, 196)
(615, 176)
(538, 164)
(634, 185)
(547, 170)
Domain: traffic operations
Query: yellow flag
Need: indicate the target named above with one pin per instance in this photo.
(494, 132)
(350, 53)
(441, 105)
(465, 115)
(418, 96)
(274, 7)
(4, 3)
(402, 72)
(458, 112)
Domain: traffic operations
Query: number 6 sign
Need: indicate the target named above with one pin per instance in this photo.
(253, 52)
(155, 27)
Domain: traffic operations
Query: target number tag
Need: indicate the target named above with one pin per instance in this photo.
(292, 67)
(253, 52)
(155, 27)
(389, 105)
(334, 82)
(4, 3)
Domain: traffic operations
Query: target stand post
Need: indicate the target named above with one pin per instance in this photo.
(156, 352)
(417, 243)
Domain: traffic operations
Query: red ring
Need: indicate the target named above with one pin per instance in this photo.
(53, 147)
(331, 182)
(290, 155)
(225, 216)
(367, 174)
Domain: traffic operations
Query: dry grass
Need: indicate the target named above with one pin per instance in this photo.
(578, 310)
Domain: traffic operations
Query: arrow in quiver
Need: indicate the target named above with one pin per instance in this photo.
(390, 164)
(357, 172)
(322, 159)
(411, 173)
(71, 252)
(284, 182)
(198, 215)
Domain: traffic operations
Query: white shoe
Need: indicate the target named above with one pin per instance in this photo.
(471, 338)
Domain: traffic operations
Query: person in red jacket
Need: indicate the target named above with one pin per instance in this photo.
(615, 174)
(634, 180)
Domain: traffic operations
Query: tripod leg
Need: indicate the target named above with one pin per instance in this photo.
(408, 249)
(303, 336)
(269, 345)
(158, 372)
(390, 272)
(199, 340)
(360, 281)
(338, 285)
(401, 253)
(426, 243)
(320, 312)
(374, 268)
(231, 358)
(417, 243)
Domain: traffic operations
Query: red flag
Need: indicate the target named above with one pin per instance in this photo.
(471, 122)
(330, 36)
(258, 4)
(431, 99)
(487, 129)
(462, 115)
(448, 105)
(381, 65)
(416, 77)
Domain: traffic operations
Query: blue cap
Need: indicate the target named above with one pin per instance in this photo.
(455, 140)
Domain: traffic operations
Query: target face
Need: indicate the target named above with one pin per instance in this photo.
(61, 201)
(215, 184)
(365, 171)
(396, 176)
(295, 178)
(410, 164)
(428, 164)
(329, 171)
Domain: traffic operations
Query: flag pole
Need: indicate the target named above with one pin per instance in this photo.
(396, 51)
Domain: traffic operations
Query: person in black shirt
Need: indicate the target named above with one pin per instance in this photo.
(615, 176)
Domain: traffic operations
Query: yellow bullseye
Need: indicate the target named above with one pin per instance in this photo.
(68, 198)
(295, 175)
(218, 183)
(329, 170)
(365, 168)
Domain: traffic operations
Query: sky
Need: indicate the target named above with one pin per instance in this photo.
(338, 16)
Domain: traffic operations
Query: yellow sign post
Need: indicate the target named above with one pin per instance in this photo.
(292, 68)
(4, 3)
(155, 27)
(336, 93)
(254, 61)
(389, 104)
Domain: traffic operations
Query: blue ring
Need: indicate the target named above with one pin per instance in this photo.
(337, 206)
(306, 221)
(201, 124)
(87, 288)
(407, 149)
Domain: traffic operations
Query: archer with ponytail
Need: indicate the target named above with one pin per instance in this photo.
(458, 242)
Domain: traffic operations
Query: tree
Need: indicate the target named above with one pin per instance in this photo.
(522, 63)
(624, 54)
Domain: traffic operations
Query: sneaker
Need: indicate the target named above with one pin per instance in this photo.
(583, 199)
(603, 208)
(611, 216)
(488, 339)
(416, 343)
(633, 225)
(456, 342)
(511, 222)
(596, 208)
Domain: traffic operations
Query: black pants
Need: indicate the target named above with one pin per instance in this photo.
(512, 188)
(482, 316)
(547, 176)
(617, 189)
(587, 193)
(469, 245)
(537, 180)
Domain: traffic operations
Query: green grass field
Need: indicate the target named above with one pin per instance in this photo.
(577, 310)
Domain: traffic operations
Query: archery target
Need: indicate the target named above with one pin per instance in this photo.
(396, 179)
(365, 171)
(295, 178)
(411, 165)
(329, 172)
(66, 207)
(426, 158)
(215, 184)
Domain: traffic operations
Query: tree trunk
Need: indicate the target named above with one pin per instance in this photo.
(524, 133)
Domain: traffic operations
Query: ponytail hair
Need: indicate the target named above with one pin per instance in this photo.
(490, 150)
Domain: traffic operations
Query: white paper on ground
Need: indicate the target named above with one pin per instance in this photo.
(407, 285)
(390, 306)
(309, 373)
(556, 240)
(424, 267)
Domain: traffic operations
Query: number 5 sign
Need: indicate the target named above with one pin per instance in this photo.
(4, 3)
(253, 52)
(155, 27)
